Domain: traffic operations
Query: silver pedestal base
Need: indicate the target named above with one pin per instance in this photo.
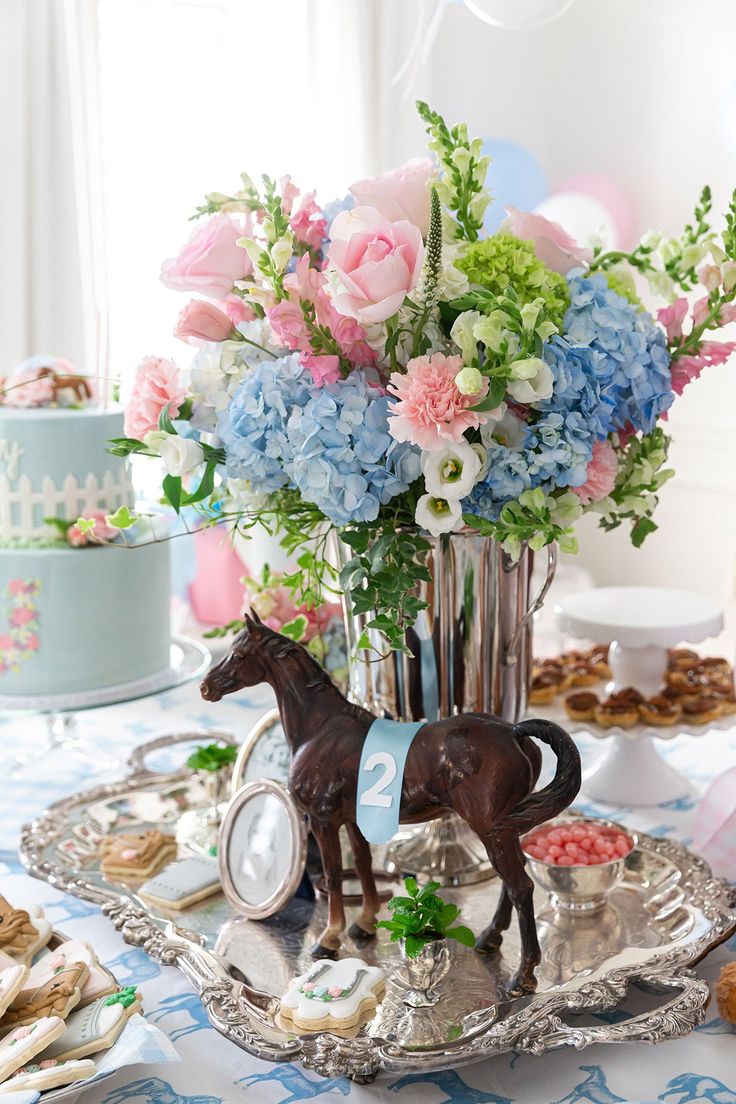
(445, 850)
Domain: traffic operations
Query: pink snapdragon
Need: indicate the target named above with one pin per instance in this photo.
(288, 325)
(430, 409)
(600, 478)
(237, 309)
(157, 384)
(323, 369)
(685, 369)
(308, 223)
(210, 262)
(372, 264)
(553, 245)
(672, 317)
(203, 321)
(401, 193)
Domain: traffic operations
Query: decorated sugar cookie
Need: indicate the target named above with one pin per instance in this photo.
(58, 993)
(23, 931)
(22, 1044)
(183, 884)
(49, 1074)
(333, 995)
(98, 983)
(95, 1027)
(12, 980)
(136, 854)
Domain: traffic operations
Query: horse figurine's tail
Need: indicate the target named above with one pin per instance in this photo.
(555, 797)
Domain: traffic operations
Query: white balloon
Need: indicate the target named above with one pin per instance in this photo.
(518, 14)
(581, 215)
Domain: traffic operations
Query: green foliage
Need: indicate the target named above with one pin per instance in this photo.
(58, 523)
(383, 576)
(123, 518)
(423, 916)
(462, 184)
(641, 474)
(504, 261)
(535, 518)
(212, 757)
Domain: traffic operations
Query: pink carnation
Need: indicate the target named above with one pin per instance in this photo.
(157, 384)
(323, 369)
(600, 478)
(431, 410)
(401, 193)
(553, 245)
(309, 224)
(672, 317)
(210, 261)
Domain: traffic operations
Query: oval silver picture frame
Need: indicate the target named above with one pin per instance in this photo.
(262, 849)
(264, 749)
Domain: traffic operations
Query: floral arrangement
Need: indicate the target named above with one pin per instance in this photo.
(378, 368)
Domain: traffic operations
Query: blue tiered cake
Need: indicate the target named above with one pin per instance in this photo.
(82, 618)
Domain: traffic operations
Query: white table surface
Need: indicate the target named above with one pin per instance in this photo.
(213, 1071)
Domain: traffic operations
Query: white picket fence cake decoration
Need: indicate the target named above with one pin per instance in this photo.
(23, 507)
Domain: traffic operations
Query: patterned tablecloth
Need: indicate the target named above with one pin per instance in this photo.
(212, 1071)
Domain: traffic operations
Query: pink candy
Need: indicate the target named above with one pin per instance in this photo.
(584, 844)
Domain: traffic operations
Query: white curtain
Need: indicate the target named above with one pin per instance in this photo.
(45, 213)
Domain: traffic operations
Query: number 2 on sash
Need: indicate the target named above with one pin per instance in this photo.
(374, 795)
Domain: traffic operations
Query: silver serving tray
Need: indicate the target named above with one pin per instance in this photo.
(668, 913)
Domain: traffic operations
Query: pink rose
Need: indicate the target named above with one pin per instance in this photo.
(672, 317)
(6, 642)
(102, 531)
(202, 321)
(22, 616)
(402, 193)
(552, 244)
(22, 1032)
(373, 264)
(335, 991)
(156, 385)
(324, 369)
(309, 224)
(600, 478)
(17, 586)
(76, 537)
(308, 986)
(210, 262)
(32, 643)
(431, 410)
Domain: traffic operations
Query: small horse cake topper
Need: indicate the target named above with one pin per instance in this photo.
(478, 766)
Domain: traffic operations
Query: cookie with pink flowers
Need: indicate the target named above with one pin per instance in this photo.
(50, 1074)
(136, 855)
(333, 996)
(99, 982)
(22, 1044)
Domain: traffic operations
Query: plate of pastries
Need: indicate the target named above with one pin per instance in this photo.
(698, 690)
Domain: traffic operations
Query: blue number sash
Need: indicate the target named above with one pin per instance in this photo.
(380, 778)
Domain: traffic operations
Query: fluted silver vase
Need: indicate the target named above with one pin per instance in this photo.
(472, 653)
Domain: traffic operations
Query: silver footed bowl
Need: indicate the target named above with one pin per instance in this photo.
(578, 888)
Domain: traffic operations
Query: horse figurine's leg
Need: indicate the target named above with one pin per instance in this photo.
(504, 851)
(489, 940)
(364, 927)
(328, 841)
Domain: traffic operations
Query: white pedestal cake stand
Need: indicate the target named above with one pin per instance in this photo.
(640, 624)
(188, 660)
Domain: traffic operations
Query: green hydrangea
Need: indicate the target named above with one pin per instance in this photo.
(621, 281)
(502, 260)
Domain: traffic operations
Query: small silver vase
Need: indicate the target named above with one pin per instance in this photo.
(424, 972)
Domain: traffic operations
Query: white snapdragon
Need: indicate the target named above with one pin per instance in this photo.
(452, 472)
(180, 455)
(452, 281)
(281, 252)
(728, 275)
(462, 333)
(531, 380)
(438, 515)
(469, 380)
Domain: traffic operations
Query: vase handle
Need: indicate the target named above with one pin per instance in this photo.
(510, 655)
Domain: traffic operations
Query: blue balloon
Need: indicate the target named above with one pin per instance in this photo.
(515, 178)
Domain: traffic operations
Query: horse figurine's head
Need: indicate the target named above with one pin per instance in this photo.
(242, 666)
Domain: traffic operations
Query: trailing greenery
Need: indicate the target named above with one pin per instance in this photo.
(537, 518)
(422, 917)
(641, 475)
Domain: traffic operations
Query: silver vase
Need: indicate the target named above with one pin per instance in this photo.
(424, 971)
(472, 653)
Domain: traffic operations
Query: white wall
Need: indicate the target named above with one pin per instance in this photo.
(644, 92)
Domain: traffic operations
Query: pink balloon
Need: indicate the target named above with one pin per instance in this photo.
(610, 195)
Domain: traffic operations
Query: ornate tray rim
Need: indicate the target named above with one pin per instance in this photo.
(244, 1015)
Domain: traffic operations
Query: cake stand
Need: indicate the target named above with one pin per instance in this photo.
(640, 624)
(189, 659)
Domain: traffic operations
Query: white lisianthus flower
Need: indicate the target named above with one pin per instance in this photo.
(508, 430)
(180, 454)
(464, 337)
(469, 381)
(531, 380)
(438, 515)
(452, 473)
(153, 440)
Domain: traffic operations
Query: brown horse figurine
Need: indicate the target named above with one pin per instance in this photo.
(475, 765)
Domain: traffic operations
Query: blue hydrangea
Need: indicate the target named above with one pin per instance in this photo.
(583, 382)
(253, 427)
(334, 208)
(344, 459)
(636, 362)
